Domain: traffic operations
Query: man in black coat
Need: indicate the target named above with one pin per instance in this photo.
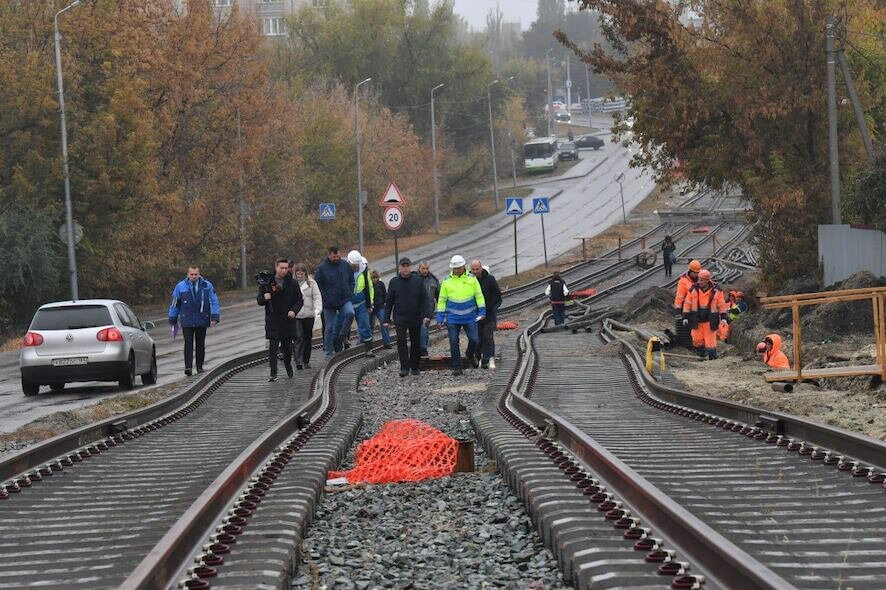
(484, 354)
(282, 300)
(407, 304)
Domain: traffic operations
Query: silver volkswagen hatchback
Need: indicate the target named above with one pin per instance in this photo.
(87, 340)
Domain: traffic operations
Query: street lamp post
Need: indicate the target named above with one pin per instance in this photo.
(69, 208)
(588, 80)
(492, 140)
(620, 180)
(359, 177)
(513, 162)
(550, 93)
(434, 156)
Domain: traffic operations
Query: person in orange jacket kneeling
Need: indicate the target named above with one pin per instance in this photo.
(770, 353)
(704, 311)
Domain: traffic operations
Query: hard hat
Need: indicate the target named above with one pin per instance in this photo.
(695, 266)
(761, 347)
(363, 260)
(354, 257)
(739, 295)
(456, 261)
(705, 274)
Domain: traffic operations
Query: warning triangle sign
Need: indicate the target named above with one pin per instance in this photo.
(515, 206)
(392, 196)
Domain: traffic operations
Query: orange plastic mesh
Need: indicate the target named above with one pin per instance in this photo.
(506, 325)
(584, 293)
(402, 451)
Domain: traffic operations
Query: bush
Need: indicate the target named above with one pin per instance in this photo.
(865, 201)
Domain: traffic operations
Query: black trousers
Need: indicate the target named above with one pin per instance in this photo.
(194, 336)
(409, 357)
(273, 345)
(485, 349)
(304, 329)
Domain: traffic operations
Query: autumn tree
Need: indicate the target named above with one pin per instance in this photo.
(739, 101)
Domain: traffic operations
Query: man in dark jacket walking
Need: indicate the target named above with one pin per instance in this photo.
(194, 307)
(432, 286)
(282, 300)
(407, 304)
(336, 281)
(484, 354)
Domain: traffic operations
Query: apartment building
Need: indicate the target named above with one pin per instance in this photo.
(270, 15)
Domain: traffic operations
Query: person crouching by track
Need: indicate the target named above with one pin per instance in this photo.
(362, 299)
(704, 311)
(194, 307)
(484, 354)
(304, 319)
(282, 300)
(770, 353)
(407, 305)
(557, 291)
(460, 305)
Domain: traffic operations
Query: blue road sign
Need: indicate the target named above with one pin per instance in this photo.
(541, 205)
(327, 211)
(514, 205)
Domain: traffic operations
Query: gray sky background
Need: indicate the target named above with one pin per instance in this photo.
(474, 11)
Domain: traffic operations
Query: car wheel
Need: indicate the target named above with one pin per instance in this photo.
(150, 377)
(127, 380)
(56, 386)
(30, 388)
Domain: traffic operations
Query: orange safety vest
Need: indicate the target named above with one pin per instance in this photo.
(684, 283)
(703, 306)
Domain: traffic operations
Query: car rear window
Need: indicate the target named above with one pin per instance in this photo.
(567, 146)
(71, 317)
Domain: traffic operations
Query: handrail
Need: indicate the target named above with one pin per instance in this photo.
(819, 294)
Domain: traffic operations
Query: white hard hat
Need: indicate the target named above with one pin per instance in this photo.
(354, 257)
(456, 261)
(363, 260)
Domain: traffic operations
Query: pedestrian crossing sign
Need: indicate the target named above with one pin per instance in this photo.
(541, 205)
(327, 211)
(514, 205)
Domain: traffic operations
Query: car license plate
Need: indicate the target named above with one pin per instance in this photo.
(78, 360)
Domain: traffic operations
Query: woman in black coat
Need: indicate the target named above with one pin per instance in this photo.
(282, 300)
(667, 252)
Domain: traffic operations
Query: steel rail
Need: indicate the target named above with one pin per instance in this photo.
(164, 563)
(725, 563)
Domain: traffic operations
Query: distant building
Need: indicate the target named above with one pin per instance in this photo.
(269, 14)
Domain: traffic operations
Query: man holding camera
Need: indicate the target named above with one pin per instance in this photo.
(282, 300)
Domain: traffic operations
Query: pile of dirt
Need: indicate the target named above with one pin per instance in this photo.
(821, 322)
(654, 304)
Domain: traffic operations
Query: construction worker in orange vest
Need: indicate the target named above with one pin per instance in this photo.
(684, 283)
(704, 310)
(771, 354)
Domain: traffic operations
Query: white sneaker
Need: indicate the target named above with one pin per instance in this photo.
(492, 363)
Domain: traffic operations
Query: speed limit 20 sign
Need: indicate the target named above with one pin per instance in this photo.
(393, 218)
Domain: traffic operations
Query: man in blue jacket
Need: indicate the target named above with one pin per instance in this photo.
(194, 307)
(336, 281)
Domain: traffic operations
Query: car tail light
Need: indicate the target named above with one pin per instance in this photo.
(109, 335)
(32, 339)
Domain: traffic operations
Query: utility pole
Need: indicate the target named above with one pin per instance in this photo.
(550, 93)
(492, 140)
(588, 78)
(832, 122)
(359, 176)
(241, 206)
(434, 156)
(620, 180)
(513, 162)
(568, 86)
(69, 207)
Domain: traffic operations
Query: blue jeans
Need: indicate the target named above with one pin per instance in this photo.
(364, 327)
(454, 348)
(333, 321)
(424, 338)
(559, 313)
(379, 314)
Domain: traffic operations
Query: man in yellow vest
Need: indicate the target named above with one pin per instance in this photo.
(460, 305)
(362, 299)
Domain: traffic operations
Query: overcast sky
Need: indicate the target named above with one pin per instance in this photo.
(474, 11)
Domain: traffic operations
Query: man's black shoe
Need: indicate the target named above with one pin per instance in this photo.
(199, 369)
(299, 367)
(272, 378)
(457, 372)
(484, 365)
(475, 362)
(403, 372)
(416, 372)
(289, 372)
(188, 372)
(424, 352)
(389, 346)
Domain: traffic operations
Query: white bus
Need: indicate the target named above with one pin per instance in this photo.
(540, 155)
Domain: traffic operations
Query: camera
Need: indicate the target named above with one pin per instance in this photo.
(264, 278)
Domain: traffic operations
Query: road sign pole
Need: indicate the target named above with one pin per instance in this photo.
(544, 240)
(516, 271)
(396, 252)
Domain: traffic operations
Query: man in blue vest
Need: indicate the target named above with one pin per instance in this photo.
(460, 306)
(194, 307)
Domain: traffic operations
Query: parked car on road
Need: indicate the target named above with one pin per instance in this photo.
(589, 141)
(88, 340)
(563, 117)
(568, 151)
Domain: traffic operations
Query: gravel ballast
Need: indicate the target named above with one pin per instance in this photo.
(463, 531)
